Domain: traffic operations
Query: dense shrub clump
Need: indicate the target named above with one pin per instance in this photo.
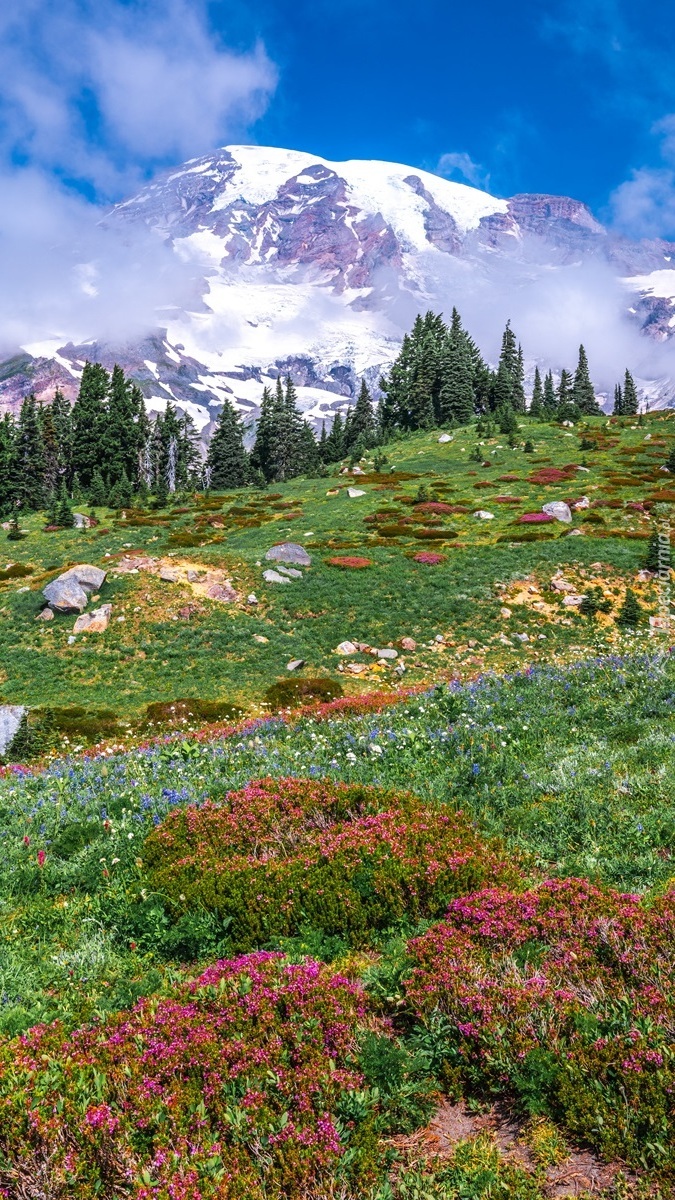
(562, 994)
(227, 1086)
(287, 693)
(280, 855)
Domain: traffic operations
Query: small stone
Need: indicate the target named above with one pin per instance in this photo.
(573, 600)
(445, 437)
(45, 615)
(169, 575)
(575, 533)
(291, 572)
(251, 598)
(483, 515)
(559, 584)
(258, 637)
(357, 471)
(333, 492)
(439, 638)
(408, 643)
(223, 592)
(505, 612)
(23, 589)
(584, 502)
(586, 469)
(354, 492)
(522, 637)
(357, 668)
(295, 664)
(274, 577)
(386, 653)
(71, 640)
(643, 576)
(346, 648)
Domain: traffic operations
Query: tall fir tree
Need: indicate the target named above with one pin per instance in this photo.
(120, 430)
(8, 478)
(335, 444)
(566, 406)
(537, 401)
(88, 423)
(518, 400)
(261, 454)
(29, 461)
(50, 450)
(618, 401)
(549, 399)
(583, 392)
(456, 400)
(189, 469)
(63, 428)
(226, 461)
(64, 513)
(630, 396)
(362, 423)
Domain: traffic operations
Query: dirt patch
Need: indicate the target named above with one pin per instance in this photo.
(577, 1171)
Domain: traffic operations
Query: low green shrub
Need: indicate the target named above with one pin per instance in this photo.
(177, 712)
(16, 571)
(288, 693)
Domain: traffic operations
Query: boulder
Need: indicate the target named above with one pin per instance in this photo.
(169, 575)
(11, 716)
(346, 648)
(88, 576)
(354, 492)
(289, 552)
(558, 510)
(96, 621)
(559, 584)
(573, 600)
(445, 437)
(296, 664)
(357, 668)
(65, 595)
(387, 653)
(408, 643)
(274, 577)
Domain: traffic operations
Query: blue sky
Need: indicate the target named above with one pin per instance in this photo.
(563, 97)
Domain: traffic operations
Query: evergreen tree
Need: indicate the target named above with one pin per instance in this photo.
(670, 461)
(53, 510)
(226, 461)
(119, 431)
(64, 513)
(630, 397)
(630, 613)
(63, 429)
(29, 462)
(121, 492)
(658, 556)
(98, 492)
(537, 401)
(518, 400)
(619, 410)
(308, 451)
(50, 450)
(287, 438)
(335, 444)
(550, 400)
(323, 444)
(261, 454)
(189, 460)
(7, 464)
(567, 409)
(362, 424)
(456, 400)
(507, 421)
(583, 393)
(88, 423)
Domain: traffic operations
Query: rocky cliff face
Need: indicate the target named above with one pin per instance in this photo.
(302, 265)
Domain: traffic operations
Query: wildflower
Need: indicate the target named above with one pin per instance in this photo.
(41, 858)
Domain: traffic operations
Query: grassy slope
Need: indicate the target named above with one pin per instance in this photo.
(214, 655)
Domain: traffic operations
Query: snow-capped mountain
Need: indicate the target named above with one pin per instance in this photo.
(301, 265)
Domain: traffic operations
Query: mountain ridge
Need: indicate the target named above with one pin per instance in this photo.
(301, 265)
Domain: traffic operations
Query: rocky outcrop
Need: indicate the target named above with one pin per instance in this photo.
(70, 591)
(11, 716)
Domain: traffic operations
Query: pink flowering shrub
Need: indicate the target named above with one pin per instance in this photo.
(428, 558)
(564, 995)
(225, 1087)
(534, 518)
(348, 860)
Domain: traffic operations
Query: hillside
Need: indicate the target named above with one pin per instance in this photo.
(290, 263)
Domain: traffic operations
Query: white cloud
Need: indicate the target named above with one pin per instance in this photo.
(459, 164)
(643, 206)
(95, 95)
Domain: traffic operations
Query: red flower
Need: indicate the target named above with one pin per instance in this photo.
(41, 858)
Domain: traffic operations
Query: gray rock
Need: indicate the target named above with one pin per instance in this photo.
(274, 577)
(169, 575)
(65, 595)
(289, 552)
(484, 515)
(557, 509)
(346, 648)
(295, 664)
(45, 615)
(88, 576)
(354, 492)
(10, 720)
(445, 437)
(387, 653)
(81, 522)
(252, 598)
(291, 572)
